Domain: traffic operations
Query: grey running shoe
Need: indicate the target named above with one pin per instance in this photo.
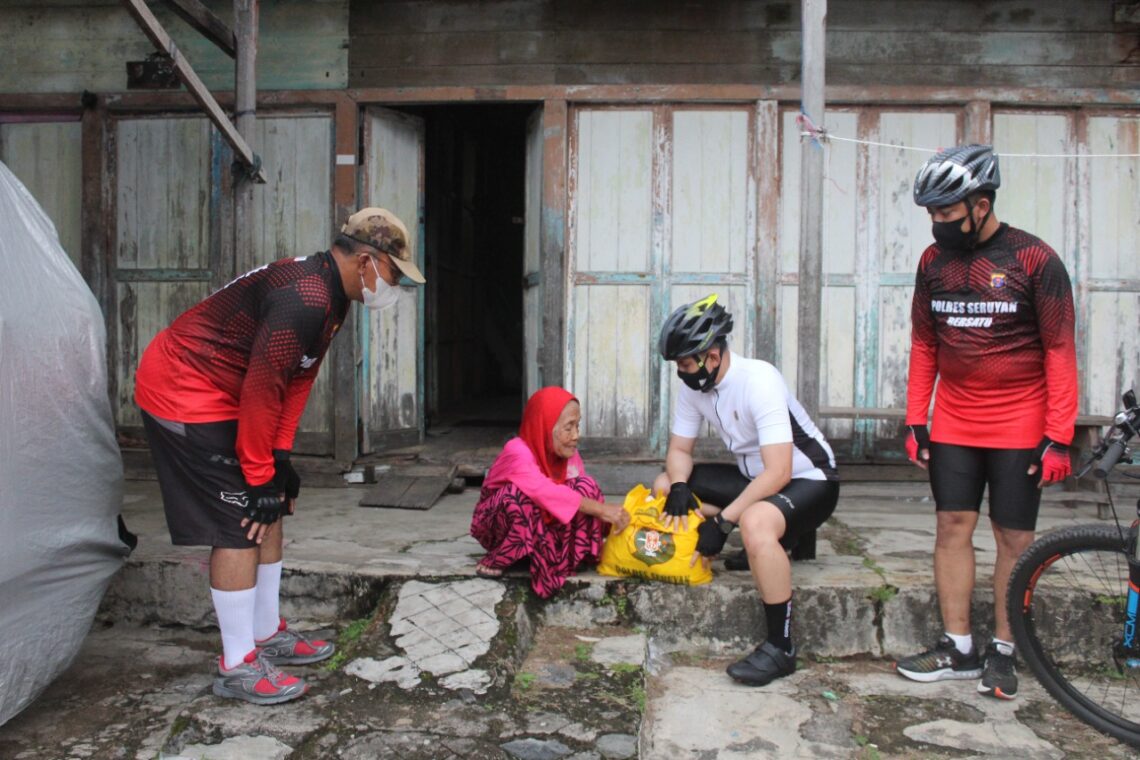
(942, 663)
(257, 681)
(287, 647)
(999, 679)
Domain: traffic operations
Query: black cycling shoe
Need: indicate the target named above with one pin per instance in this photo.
(767, 663)
(737, 561)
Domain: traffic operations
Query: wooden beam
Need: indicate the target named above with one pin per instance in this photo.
(1106, 101)
(162, 41)
(197, 15)
(811, 209)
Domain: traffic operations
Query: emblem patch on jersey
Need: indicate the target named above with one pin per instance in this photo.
(308, 361)
(997, 280)
(237, 498)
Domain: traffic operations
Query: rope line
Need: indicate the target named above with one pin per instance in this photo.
(820, 135)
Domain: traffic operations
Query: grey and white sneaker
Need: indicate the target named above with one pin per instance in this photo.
(287, 647)
(257, 681)
(941, 663)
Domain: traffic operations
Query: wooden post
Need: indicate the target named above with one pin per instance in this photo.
(811, 208)
(245, 119)
(552, 240)
(342, 355)
(978, 122)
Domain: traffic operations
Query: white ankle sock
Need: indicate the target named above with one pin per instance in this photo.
(964, 643)
(266, 608)
(1005, 647)
(235, 618)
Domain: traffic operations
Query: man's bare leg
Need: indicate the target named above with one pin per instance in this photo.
(954, 568)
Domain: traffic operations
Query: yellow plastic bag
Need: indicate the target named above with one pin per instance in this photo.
(645, 549)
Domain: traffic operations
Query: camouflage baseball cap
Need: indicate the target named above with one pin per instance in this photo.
(383, 230)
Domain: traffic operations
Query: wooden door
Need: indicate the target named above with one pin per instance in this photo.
(392, 352)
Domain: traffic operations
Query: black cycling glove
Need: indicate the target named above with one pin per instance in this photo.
(680, 500)
(264, 503)
(285, 477)
(710, 538)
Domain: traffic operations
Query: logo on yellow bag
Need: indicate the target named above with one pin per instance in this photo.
(653, 546)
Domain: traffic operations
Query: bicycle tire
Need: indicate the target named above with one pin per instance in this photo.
(1066, 610)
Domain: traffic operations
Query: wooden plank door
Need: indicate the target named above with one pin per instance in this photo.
(662, 212)
(293, 216)
(166, 175)
(392, 351)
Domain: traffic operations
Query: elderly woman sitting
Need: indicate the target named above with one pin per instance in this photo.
(537, 501)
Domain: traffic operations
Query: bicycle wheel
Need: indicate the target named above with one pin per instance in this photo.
(1067, 597)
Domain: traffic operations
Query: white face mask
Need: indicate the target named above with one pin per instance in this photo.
(385, 296)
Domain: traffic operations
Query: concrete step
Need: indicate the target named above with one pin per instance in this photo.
(869, 592)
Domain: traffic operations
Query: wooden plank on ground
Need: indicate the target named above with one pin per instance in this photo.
(414, 487)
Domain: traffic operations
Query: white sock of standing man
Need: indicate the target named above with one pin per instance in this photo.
(235, 619)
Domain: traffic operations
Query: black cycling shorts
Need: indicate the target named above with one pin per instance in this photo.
(959, 475)
(203, 489)
(805, 504)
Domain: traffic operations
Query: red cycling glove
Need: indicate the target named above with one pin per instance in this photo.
(917, 439)
(1054, 460)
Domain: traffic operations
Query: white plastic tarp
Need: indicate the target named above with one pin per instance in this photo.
(61, 474)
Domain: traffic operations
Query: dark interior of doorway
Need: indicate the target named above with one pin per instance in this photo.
(474, 196)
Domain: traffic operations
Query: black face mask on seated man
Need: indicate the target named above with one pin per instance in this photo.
(703, 379)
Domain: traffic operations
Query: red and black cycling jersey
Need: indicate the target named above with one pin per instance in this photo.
(249, 352)
(995, 326)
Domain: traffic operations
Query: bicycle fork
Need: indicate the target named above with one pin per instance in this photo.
(1129, 650)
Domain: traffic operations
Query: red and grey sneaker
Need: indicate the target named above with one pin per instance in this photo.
(287, 647)
(258, 681)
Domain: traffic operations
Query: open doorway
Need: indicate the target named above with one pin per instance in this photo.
(474, 207)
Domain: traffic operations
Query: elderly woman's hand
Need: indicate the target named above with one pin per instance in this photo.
(617, 517)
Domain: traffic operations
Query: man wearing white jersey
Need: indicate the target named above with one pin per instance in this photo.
(784, 484)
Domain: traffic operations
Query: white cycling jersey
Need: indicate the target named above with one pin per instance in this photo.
(751, 407)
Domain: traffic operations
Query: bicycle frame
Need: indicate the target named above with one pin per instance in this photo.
(1111, 450)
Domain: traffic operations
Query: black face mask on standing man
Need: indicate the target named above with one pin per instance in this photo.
(950, 237)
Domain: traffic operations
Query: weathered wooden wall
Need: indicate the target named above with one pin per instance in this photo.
(67, 46)
(47, 158)
(171, 238)
(663, 213)
(1046, 43)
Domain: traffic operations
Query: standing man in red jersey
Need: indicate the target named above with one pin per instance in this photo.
(992, 320)
(222, 391)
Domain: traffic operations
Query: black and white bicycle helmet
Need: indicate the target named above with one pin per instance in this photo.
(952, 174)
(693, 328)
